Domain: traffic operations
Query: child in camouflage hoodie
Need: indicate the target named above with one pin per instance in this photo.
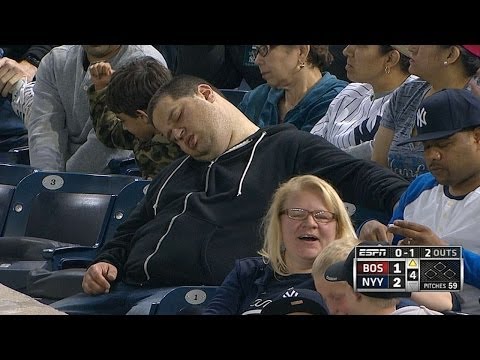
(118, 106)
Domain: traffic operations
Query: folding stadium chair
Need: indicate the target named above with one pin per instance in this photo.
(16, 156)
(80, 256)
(10, 176)
(185, 300)
(54, 209)
(68, 264)
(125, 167)
(359, 215)
(235, 96)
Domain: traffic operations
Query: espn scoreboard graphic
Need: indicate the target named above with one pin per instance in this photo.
(408, 268)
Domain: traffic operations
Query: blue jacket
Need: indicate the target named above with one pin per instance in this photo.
(251, 285)
(261, 104)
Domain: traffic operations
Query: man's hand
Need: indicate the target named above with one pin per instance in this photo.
(98, 277)
(12, 71)
(101, 74)
(374, 230)
(415, 234)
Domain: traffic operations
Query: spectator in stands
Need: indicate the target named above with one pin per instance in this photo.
(297, 301)
(333, 274)
(354, 115)
(203, 211)
(224, 66)
(305, 216)
(119, 111)
(61, 134)
(298, 90)
(439, 67)
(18, 63)
(441, 206)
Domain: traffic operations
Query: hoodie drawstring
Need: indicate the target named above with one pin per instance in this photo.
(165, 183)
(249, 162)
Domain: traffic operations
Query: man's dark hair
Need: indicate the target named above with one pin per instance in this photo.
(133, 85)
(178, 87)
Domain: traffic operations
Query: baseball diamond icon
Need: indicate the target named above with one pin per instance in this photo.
(438, 270)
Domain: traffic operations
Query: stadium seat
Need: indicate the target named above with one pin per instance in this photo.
(184, 300)
(68, 264)
(18, 155)
(359, 215)
(124, 167)
(10, 176)
(235, 96)
(80, 256)
(54, 209)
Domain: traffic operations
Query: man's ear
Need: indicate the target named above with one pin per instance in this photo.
(142, 115)
(207, 92)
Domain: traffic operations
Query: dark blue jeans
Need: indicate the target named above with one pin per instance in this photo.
(121, 300)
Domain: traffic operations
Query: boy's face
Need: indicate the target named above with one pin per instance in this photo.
(134, 125)
(339, 296)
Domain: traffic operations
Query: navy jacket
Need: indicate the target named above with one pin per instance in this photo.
(251, 286)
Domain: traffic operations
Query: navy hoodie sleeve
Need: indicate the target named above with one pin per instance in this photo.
(116, 250)
(360, 182)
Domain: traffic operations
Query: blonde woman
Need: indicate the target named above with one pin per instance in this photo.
(306, 214)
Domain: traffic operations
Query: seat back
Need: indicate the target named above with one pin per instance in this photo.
(359, 215)
(10, 176)
(66, 207)
(235, 96)
(52, 210)
(126, 201)
(6, 194)
(125, 167)
(69, 217)
(186, 300)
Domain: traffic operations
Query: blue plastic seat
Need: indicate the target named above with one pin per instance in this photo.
(10, 176)
(80, 256)
(235, 96)
(54, 209)
(184, 300)
(68, 264)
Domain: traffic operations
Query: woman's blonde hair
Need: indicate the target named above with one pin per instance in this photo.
(272, 250)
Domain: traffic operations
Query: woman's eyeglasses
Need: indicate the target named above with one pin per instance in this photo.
(320, 216)
(263, 50)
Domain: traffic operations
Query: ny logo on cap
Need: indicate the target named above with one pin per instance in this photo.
(421, 113)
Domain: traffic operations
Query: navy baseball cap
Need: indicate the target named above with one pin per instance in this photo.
(445, 113)
(343, 271)
(297, 300)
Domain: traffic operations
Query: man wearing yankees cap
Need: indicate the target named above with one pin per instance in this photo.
(442, 207)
